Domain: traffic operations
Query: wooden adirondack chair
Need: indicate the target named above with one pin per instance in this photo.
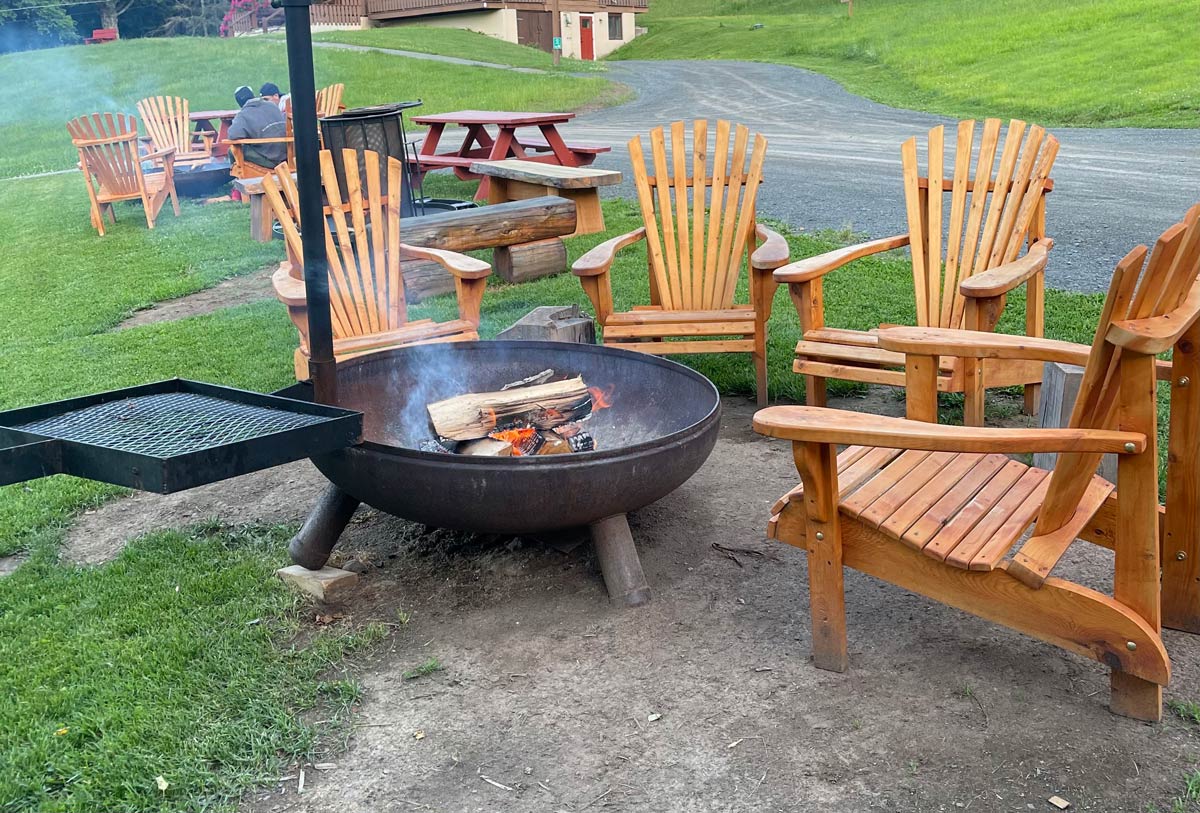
(936, 509)
(329, 100)
(167, 123)
(966, 228)
(699, 220)
(112, 168)
(366, 288)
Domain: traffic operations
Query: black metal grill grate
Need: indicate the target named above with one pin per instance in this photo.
(168, 424)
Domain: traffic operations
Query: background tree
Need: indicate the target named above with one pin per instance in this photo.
(28, 24)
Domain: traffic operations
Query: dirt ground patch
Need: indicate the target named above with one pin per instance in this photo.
(550, 699)
(225, 294)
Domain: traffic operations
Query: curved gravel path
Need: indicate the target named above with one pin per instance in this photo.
(834, 158)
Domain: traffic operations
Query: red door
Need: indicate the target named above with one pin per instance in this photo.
(586, 48)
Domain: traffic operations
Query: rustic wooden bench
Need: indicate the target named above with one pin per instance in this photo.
(514, 179)
(101, 35)
(261, 218)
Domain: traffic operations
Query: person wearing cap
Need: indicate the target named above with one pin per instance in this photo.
(259, 118)
(270, 91)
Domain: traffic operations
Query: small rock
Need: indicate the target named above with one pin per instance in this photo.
(356, 566)
(1059, 802)
(653, 717)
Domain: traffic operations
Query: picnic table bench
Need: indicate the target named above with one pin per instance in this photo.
(479, 144)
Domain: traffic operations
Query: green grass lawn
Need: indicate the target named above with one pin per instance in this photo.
(41, 90)
(180, 658)
(1063, 63)
(456, 42)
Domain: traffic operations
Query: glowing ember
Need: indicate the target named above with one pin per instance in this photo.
(601, 399)
(524, 441)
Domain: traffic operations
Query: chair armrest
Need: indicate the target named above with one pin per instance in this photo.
(160, 155)
(460, 265)
(600, 259)
(240, 141)
(935, 341)
(289, 289)
(812, 268)
(821, 425)
(1004, 278)
(1156, 334)
(772, 253)
(205, 134)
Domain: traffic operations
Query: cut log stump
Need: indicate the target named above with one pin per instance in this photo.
(552, 323)
(1060, 388)
(530, 261)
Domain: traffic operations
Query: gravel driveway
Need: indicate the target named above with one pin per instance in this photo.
(834, 158)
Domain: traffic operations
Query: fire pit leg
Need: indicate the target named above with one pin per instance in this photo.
(619, 561)
(311, 547)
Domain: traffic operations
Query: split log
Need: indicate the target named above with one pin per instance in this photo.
(486, 447)
(544, 406)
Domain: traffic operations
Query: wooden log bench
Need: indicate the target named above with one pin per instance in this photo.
(261, 218)
(498, 227)
(514, 179)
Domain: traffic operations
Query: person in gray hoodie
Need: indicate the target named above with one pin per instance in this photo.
(259, 118)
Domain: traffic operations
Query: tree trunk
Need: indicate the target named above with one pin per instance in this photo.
(108, 14)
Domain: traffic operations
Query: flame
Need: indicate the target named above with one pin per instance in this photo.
(518, 438)
(601, 399)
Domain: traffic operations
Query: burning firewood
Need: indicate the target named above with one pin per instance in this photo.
(486, 447)
(525, 441)
(537, 378)
(578, 439)
(543, 406)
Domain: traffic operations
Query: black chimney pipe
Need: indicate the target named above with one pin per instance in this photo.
(303, 88)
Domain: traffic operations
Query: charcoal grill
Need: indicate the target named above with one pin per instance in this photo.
(660, 429)
(168, 436)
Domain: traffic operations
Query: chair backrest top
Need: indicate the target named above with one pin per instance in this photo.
(973, 219)
(366, 287)
(1140, 290)
(329, 99)
(107, 144)
(699, 209)
(167, 122)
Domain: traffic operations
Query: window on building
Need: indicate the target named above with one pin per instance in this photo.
(615, 31)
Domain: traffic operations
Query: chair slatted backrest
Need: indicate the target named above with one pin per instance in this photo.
(107, 144)
(366, 288)
(1139, 290)
(167, 122)
(329, 100)
(992, 211)
(696, 243)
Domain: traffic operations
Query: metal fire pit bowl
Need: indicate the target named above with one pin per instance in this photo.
(660, 429)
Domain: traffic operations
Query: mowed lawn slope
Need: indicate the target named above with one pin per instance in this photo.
(455, 42)
(41, 90)
(1063, 63)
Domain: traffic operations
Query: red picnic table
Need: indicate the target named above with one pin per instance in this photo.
(205, 119)
(479, 145)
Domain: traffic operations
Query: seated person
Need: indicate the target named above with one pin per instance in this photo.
(259, 118)
(270, 91)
